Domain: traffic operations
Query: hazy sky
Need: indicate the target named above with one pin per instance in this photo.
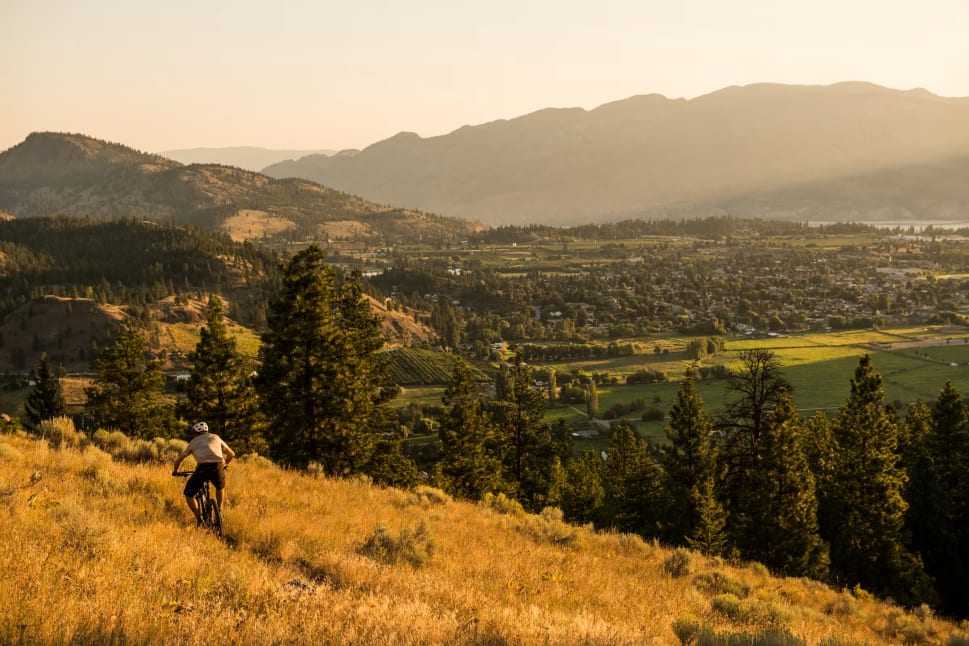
(165, 74)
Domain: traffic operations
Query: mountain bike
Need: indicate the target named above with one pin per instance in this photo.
(208, 507)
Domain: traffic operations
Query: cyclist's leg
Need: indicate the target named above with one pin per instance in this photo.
(218, 481)
(194, 506)
(195, 482)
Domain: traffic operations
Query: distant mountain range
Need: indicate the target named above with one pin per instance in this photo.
(845, 151)
(71, 174)
(247, 157)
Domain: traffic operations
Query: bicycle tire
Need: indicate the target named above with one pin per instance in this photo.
(215, 518)
(205, 509)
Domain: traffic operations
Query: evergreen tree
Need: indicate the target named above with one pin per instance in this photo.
(220, 390)
(759, 387)
(583, 494)
(127, 393)
(632, 481)
(865, 517)
(321, 385)
(932, 537)
(820, 450)
(524, 437)
(689, 461)
(389, 467)
(780, 529)
(708, 534)
(46, 399)
(469, 465)
(948, 558)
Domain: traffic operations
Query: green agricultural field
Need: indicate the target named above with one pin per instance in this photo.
(914, 364)
(418, 367)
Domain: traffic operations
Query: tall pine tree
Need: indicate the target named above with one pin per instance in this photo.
(780, 528)
(925, 519)
(690, 462)
(864, 517)
(469, 465)
(583, 494)
(758, 388)
(220, 390)
(321, 386)
(127, 393)
(524, 437)
(949, 445)
(633, 483)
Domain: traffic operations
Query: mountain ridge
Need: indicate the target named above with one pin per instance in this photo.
(72, 174)
(648, 155)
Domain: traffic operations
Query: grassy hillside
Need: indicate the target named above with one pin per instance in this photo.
(96, 550)
(53, 173)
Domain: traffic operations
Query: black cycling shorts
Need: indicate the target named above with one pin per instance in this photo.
(213, 472)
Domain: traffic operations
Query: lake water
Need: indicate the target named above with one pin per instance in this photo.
(950, 225)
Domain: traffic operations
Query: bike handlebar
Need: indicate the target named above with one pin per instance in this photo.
(188, 473)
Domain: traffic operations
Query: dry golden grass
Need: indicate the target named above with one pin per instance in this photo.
(94, 550)
(249, 224)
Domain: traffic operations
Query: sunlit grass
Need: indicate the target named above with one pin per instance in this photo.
(98, 551)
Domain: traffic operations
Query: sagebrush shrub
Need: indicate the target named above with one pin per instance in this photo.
(755, 612)
(719, 582)
(414, 547)
(426, 496)
(680, 563)
(503, 504)
(550, 526)
(60, 433)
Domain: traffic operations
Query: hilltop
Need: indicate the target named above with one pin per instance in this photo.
(766, 150)
(72, 174)
(105, 554)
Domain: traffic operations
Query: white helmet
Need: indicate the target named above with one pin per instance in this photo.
(200, 427)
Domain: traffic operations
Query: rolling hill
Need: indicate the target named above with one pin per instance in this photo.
(67, 284)
(762, 150)
(71, 174)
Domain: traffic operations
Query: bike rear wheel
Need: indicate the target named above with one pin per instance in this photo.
(213, 517)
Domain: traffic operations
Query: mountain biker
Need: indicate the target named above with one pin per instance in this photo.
(212, 456)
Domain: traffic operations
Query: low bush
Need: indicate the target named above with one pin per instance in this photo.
(60, 433)
(414, 547)
(121, 447)
(691, 631)
(551, 527)
(681, 562)
(719, 582)
(503, 504)
(756, 612)
(425, 496)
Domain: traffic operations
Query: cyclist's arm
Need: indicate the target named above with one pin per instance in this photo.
(227, 454)
(178, 460)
